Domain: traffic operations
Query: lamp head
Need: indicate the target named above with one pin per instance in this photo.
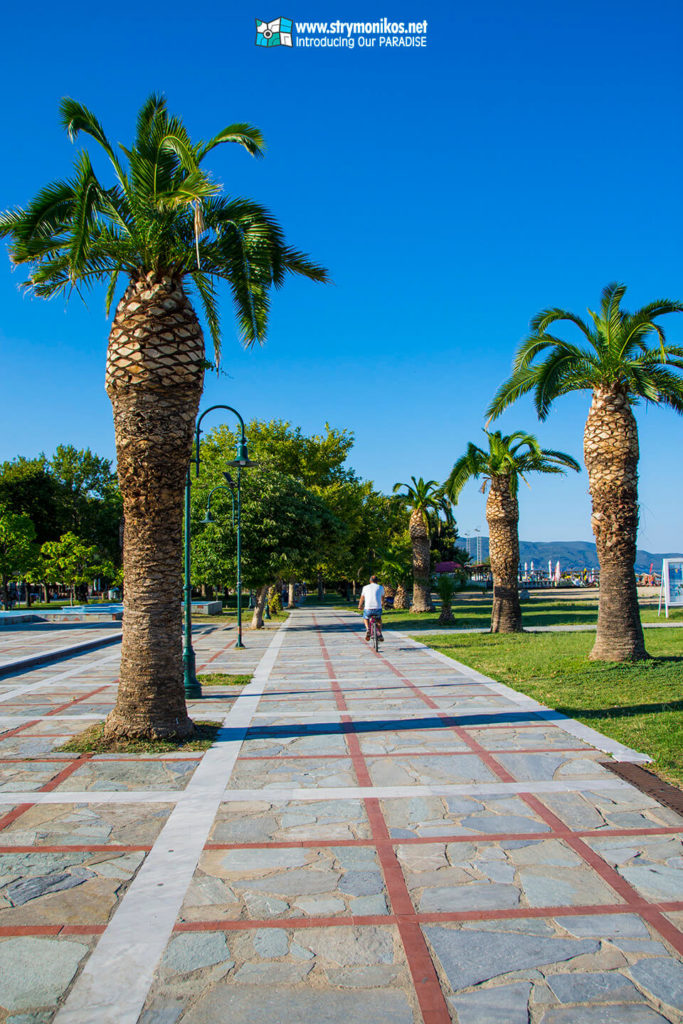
(242, 461)
(208, 518)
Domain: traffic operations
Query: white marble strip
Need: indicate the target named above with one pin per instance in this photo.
(89, 666)
(596, 784)
(569, 725)
(116, 979)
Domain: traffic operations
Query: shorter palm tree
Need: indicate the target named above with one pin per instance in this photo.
(421, 497)
(622, 358)
(509, 458)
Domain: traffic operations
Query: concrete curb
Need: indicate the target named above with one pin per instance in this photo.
(34, 660)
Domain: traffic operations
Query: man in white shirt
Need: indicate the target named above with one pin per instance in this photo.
(371, 601)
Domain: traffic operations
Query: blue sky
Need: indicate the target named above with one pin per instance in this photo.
(530, 154)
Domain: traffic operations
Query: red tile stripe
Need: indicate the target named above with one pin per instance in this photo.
(425, 979)
(649, 911)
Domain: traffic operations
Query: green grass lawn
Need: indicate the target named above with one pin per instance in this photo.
(92, 741)
(639, 704)
(222, 679)
(475, 611)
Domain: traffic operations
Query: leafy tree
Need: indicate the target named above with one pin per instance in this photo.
(509, 458)
(88, 497)
(318, 461)
(162, 225)
(284, 527)
(622, 358)
(28, 488)
(71, 562)
(421, 497)
(18, 551)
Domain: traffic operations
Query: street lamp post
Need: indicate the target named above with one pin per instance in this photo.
(192, 687)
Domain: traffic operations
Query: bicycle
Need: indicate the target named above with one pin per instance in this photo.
(374, 632)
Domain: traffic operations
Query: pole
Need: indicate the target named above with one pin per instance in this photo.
(239, 558)
(192, 687)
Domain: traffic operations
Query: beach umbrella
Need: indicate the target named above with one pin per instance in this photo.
(550, 569)
(558, 574)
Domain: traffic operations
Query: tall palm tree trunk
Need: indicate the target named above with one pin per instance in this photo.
(154, 379)
(419, 538)
(610, 448)
(502, 515)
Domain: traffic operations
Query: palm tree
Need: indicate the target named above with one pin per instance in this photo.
(163, 226)
(509, 458)
(421, 497)
(626, 358)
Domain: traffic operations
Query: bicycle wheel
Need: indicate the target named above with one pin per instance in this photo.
(375, 635)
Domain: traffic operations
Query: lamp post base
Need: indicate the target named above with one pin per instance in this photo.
(191, 683)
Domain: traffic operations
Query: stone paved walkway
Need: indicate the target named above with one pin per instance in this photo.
(26, 640)
(382, 838)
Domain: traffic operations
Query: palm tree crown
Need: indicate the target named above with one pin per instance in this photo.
(422, 495)
(625, 352)
(161, 216)
(512, 456)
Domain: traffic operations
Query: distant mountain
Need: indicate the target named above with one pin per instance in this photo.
(572, 554)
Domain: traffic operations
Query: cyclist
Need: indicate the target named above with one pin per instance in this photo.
(371, 601)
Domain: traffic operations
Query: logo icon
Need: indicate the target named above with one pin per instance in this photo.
(274, 33)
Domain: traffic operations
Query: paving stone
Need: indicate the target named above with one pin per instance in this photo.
(348, 947)
(263, 860)
(32, 888)
(531, 926)
(295, 882)
(320, 906)
(30, 1018)
(471, 957)
(475, 896)
(120, 867)
(598, 987)
(355, 857)
(265, 1005)
(663, 977)
(300, 952)
(271, 973)
(605, 926)
(260, 906)
(507, 1004)
(362, 883)
(369, 906)
(379, 976)
(656, 882)
(36, 972)
(640, 946)
(271, 942)
(189, 951)
(167, 1014)
(498, 824)
(573, 887)
(622, 1013)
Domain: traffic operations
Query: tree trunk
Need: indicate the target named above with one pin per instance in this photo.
(321, 588)
(502, 515)
(401, 598)
(154, 380)
(259, 607)
(610, 449)
(446, 616)
(419, 538)
(290, 595)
